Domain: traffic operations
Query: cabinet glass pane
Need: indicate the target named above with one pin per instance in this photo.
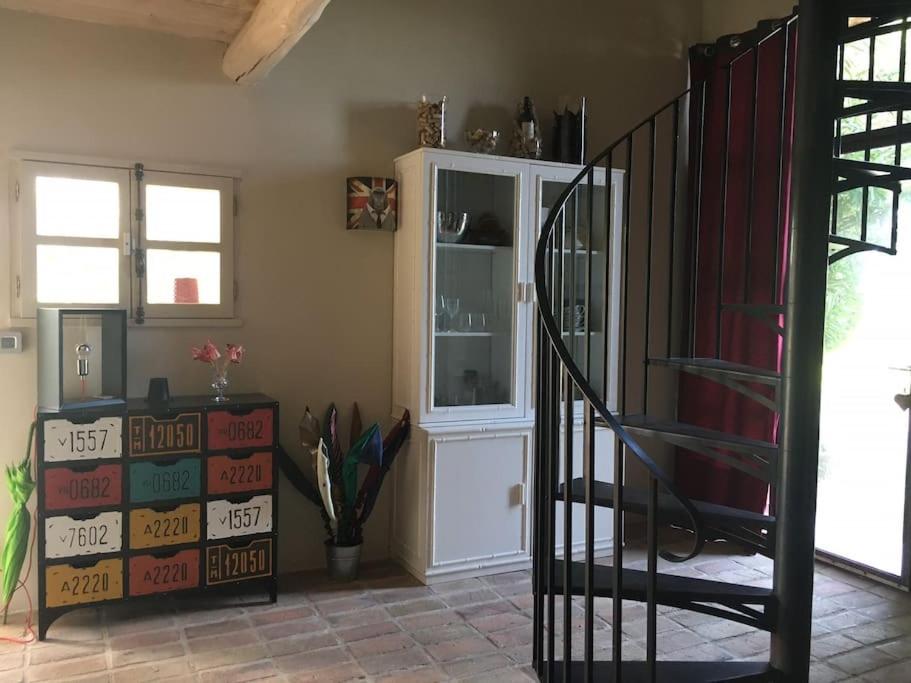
(584, 245)
(474, 294)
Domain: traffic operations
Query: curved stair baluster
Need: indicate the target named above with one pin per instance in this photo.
(645, 269)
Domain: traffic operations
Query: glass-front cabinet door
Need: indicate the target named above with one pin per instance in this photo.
(479, 308)
(588, 242)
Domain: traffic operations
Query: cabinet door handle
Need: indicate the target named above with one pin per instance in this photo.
(519, 494)
(526, 292)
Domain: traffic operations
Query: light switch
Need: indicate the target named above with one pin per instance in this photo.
(10, 341)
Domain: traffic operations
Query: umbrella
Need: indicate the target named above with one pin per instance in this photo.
(20, 483)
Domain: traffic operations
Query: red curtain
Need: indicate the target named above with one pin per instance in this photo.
(742, 224)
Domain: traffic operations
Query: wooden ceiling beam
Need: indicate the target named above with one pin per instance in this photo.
(272, 30)
(209, 19)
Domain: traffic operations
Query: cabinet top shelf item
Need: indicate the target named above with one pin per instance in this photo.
(458, 154)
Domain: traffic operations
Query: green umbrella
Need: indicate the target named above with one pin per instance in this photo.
(20, 483)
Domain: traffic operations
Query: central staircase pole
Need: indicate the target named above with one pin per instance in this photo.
(803, 350)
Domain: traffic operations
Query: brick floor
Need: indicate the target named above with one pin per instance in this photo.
(387, 627)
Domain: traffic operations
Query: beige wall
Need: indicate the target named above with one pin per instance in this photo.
(316, 301)
(721, 17)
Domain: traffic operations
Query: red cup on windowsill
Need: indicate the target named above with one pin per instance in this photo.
(186, 290)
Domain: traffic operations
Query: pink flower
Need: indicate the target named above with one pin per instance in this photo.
(235, 353)
(207, 354)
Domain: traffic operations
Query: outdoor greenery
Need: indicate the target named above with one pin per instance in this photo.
(843, 299)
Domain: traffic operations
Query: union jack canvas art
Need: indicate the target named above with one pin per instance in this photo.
(372, 204)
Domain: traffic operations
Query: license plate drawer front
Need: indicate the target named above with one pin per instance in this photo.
(249, 430)
(226, 519)
(239, 475)
(70, 585)
(226, 563)
(68, 537)
(67, 489)
(65, 441)
(153, 529)
(150, 574)
(150, 481)
(150, 435)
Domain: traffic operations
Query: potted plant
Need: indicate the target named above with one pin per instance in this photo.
(344, 498)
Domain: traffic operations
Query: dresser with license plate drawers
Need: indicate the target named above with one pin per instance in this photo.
(139, 500)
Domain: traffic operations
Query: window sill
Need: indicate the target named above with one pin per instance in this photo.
(154, 323)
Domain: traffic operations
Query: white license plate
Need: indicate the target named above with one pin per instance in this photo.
(68, 537)
(225, 519)
(64, 440)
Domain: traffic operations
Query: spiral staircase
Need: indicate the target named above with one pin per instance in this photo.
(628, 384)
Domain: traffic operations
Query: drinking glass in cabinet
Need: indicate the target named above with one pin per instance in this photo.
(475, 283)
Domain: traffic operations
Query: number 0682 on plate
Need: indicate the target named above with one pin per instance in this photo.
(226, 519)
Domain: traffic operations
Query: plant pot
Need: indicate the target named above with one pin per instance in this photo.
(342, 561)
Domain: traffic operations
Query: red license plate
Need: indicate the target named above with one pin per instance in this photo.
(66, 489)
(237, 475)
(252, 429)
(150, 574)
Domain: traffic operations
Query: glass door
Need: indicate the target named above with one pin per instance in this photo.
(589, 314)
(864, 439)
(478, 325)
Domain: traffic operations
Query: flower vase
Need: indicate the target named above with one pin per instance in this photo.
(220, 384)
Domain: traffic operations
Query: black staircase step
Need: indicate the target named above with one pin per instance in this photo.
(669, 509)
(668, 430)
(755, 309)
(672, 590)
(863, 89)
(858, 245)
(872, 169)
(667, 672)
(874, 139)
(767, 314)
(857, 174)
(715, 367)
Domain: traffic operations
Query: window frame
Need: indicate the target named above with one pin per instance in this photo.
(25, 285)
(26, 166)
(224, 247)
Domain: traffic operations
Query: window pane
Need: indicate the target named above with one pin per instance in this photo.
(67, 207)
(183, 214)
(78, 275)
(183, 277)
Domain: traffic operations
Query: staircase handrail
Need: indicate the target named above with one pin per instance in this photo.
(578, 377)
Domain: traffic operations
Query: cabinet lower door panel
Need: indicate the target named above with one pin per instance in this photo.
(479, 490)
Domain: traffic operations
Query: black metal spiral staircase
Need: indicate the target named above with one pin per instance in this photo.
(661, 166)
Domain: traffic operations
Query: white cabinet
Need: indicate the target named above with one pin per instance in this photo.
(461, 505)
(463, 351)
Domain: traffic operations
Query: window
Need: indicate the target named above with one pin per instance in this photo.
(157, 242)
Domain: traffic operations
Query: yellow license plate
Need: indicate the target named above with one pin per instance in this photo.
(152, 529)
(68, 585)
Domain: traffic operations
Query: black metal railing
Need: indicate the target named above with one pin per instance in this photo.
(617, 280)
(566, 381)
